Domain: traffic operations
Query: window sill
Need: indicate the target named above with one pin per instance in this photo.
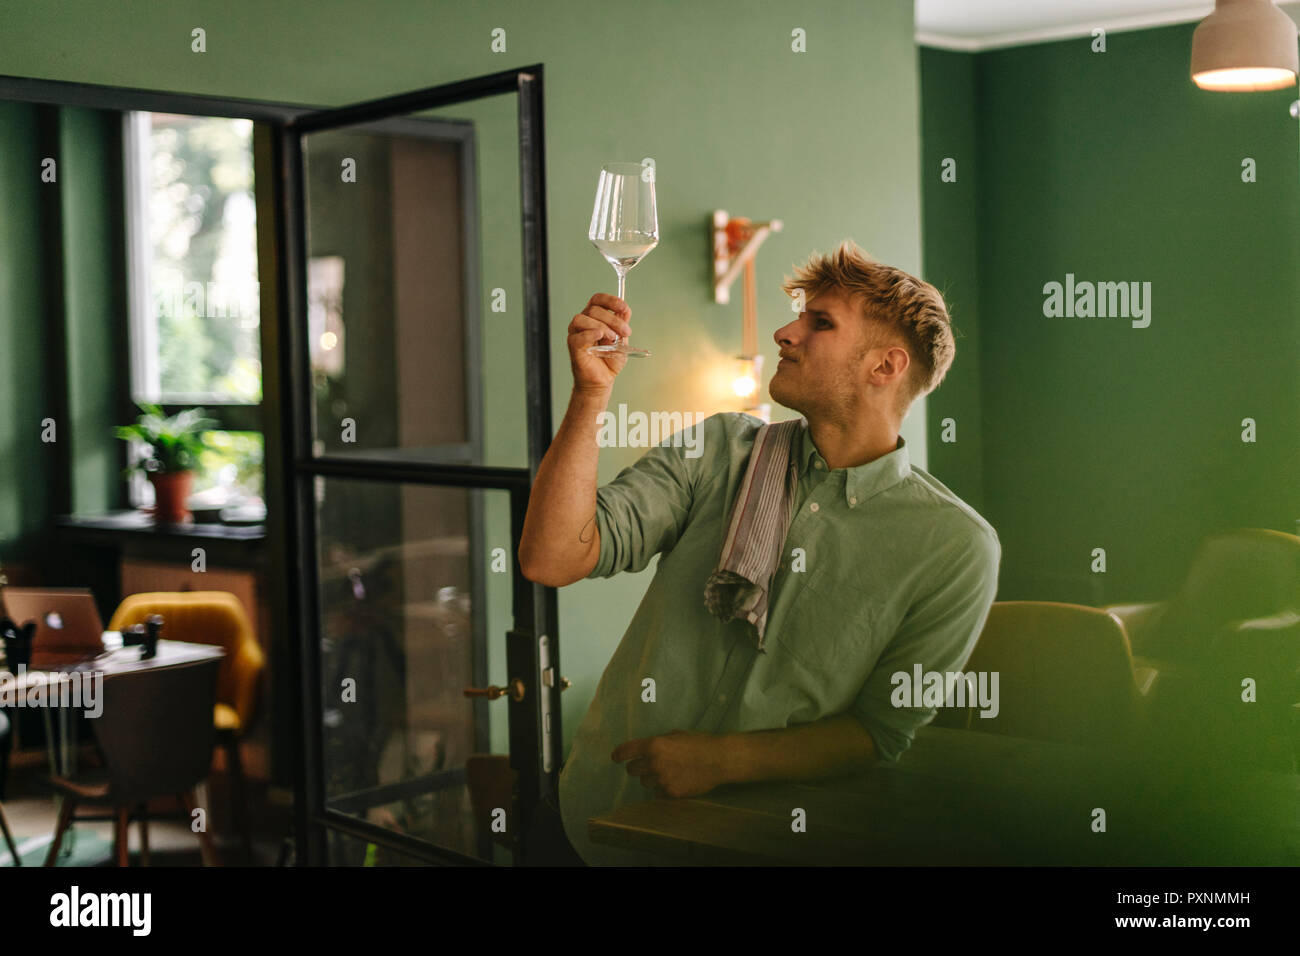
(135, 521)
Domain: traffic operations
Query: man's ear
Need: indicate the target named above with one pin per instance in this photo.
(906, 361)
(889, 360)
(896, 359)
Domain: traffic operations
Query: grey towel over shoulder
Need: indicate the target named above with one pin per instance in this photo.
(760, 517)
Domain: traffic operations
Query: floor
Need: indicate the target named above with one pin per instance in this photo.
(30, 810)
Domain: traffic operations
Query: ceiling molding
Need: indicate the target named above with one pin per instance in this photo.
(977, 44)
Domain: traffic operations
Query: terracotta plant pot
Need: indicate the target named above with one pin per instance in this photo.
(171, 491)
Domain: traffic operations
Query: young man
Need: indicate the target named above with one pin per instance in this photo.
(793, 582)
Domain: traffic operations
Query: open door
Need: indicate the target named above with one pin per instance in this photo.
(412, 231)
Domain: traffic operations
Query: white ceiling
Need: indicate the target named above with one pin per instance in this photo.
(986, 24)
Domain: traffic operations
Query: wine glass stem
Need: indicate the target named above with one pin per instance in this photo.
(621, 277)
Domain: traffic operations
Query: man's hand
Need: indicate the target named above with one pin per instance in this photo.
(605, 318)
(679, 763)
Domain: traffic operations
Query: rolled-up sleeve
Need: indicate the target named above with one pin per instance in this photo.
(939, 633)
(644, 510)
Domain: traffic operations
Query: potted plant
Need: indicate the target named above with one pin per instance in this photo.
(175, 443)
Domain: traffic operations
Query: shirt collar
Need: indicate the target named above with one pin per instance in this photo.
(861, 481)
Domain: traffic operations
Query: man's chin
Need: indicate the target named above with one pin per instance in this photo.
(784, 397)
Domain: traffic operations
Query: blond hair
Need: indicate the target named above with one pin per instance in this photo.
(899, 309)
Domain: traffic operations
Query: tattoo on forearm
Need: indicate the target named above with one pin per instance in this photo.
(584, 535)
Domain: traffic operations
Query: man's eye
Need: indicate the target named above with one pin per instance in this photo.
(825, 323)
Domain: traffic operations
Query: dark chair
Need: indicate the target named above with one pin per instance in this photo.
(491, 785)
(4, 754)
(1234, 576)
(1258, 734)
(6, 745)
(156, 736)
(218, 618)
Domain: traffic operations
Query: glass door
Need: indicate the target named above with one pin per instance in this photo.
(414, 332)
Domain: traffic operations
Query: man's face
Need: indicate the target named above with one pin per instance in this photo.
(826, 368)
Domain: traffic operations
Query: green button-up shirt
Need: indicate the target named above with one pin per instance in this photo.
(883, 568)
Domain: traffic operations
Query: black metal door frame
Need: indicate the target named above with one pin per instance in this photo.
(535, 742)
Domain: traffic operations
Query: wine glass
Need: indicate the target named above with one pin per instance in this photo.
(624, 227)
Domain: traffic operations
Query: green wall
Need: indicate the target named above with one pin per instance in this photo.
(62, 286)
(952, 258)
(1114, 167)
(826, 140)
(95, 293)
(25, 398)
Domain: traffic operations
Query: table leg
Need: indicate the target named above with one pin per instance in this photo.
(64, 751)
(49, 740)
(71, 735)
(58, 767)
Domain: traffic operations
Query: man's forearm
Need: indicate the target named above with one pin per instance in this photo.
(559, 533)
(825, 747)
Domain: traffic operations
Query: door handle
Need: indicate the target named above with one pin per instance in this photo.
(515, 690)
(548, 678)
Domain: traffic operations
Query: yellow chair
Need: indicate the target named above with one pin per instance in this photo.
(1065, 672)
(219, 618)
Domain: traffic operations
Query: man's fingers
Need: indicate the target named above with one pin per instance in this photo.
(638, 766)
(585, 322)
(611, 302)
(590, 332)
(596, 336)
(613, 319)
(630, 748)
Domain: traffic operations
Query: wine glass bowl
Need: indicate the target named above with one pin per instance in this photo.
(624, 227)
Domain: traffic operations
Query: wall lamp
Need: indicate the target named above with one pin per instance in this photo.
(735, 241)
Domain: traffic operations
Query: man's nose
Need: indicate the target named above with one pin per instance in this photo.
(784, 335)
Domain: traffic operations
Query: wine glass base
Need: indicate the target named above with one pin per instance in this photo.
(621, 349)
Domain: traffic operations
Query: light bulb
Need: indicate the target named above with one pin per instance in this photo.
(1245, 78)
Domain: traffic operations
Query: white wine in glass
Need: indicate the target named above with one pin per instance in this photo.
(624, 227)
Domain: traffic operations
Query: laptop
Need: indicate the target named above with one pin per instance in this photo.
(69, 630)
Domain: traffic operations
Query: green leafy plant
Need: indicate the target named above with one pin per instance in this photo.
(175, 441)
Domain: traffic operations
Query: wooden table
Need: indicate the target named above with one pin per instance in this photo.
(961, 797)
(116, 659)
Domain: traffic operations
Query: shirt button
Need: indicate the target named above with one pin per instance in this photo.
(814, 506)
(853, 501)
(818, 465)
(722, 697)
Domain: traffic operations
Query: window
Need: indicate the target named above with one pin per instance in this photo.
(193, 291)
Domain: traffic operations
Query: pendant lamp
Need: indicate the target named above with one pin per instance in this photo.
(1245, 45)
